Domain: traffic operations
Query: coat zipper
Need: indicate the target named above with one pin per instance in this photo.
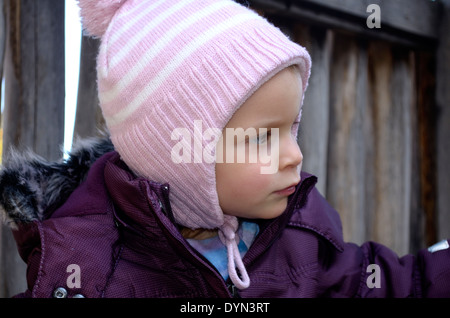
(167, 210)
(232, 290)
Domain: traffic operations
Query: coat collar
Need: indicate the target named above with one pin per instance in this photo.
(307, 209)
(142, 208)
(140, 204)
(146, 209)
(314, 213)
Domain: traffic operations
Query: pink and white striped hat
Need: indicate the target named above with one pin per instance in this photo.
(164, 64)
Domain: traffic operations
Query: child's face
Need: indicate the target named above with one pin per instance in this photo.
(242, 189)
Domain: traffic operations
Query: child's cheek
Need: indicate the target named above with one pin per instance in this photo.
(256, 182)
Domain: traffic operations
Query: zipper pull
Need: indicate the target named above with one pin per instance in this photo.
(165, 203)
(233, 291)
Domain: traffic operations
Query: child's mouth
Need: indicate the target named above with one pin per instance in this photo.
(286, 191)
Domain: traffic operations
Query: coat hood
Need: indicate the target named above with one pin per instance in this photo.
(32, 188)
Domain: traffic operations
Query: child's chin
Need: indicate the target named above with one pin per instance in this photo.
(276, 211)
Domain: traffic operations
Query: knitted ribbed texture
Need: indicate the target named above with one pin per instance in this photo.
(163, 65)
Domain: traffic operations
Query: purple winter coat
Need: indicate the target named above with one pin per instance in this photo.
(92, 217)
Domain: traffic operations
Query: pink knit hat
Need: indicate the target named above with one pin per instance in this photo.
(164, 64)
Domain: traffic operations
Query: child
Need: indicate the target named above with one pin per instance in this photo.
(199, 192)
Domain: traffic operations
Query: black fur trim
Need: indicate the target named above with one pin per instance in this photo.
(32, 188)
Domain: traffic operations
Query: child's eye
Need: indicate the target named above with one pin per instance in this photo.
(261, 138)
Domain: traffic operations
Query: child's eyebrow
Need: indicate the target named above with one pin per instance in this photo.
(272, 123)
(276, 122)
(268, 124)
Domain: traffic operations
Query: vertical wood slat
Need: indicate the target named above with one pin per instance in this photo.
(365, 101)
(34, 102)
(347, 146)
(313, 132)
(89, 120)
(34, 78)
(393, 99)
(427, 142)
(370, 146)
(443, 124)
(2, 46)
(428, 200)
(403, 95)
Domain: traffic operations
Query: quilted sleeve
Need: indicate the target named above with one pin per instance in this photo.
(374, 271)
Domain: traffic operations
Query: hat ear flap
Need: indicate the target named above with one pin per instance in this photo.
(97, 14)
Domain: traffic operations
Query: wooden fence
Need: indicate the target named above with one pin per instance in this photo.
(33, 116)
(370, 163)
(369, 128)
(376, 120)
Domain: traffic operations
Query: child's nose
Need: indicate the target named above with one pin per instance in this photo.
(290, 154)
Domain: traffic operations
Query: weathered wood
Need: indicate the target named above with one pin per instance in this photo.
(89, 120)
(404, 94)
(417, 220)
(347, 145)
(398, 18)
(361, 106)
(393, 88)
(34, 111)
(34, 101)
(420, 17)
(2, 45)
(313, 132)
(427, 142)
(443, 124)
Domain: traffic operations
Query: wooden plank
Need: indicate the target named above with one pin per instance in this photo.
(35, 81)
(418, 17)
(387, 168)
(12, 268)
(34, 101)
(393, 88)
(443, 124)
(347, 145)
(370, 154)
(404, 108)
(313, 132)
(89, 120)
(398, 26)
(49, 78)
(427, 142)
(381, 224)
(417, 220)
(2, 45)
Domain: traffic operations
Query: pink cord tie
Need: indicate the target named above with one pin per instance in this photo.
(229, 237)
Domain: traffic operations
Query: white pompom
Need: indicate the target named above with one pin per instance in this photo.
(97, 14)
